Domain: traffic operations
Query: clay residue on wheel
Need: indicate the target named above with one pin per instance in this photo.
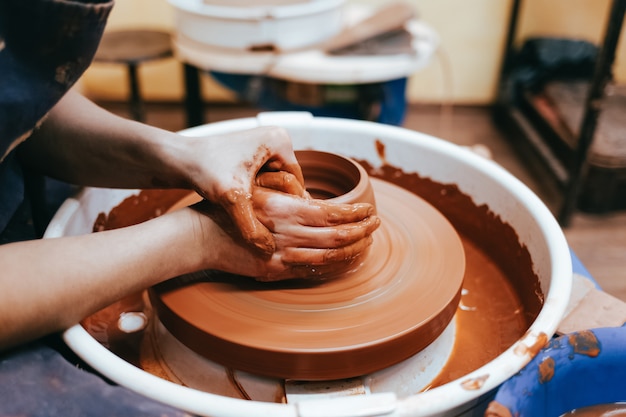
(480, 224)
(499, 276)
(501, 291)
(401, 297)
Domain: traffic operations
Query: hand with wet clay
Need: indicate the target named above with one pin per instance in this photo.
(108, 151)
(228, 180)
(313, 237)
(282, 236)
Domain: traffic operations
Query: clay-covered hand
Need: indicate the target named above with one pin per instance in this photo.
(313, 237)
(235, 160)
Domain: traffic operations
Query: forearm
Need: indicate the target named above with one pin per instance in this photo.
(51, 284)
(48, 285)
(84, 144)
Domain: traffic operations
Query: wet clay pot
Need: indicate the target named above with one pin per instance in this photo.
(383, 309)
(329, 176)
(493, 213)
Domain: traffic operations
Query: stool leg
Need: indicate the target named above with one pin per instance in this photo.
(136, 105)
(193, 96)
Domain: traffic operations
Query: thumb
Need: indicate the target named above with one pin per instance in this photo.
(239, 206)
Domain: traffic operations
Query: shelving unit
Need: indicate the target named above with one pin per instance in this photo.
(563, 144)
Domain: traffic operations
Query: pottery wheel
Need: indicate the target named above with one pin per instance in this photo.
(394, 305)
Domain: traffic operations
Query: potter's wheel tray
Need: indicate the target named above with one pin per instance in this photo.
(400, 299)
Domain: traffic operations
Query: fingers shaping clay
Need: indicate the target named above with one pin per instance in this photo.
(391, 306)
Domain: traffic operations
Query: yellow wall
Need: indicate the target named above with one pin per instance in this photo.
(464, 71)
(159, 80)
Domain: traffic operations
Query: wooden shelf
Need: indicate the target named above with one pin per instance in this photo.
(560, 125)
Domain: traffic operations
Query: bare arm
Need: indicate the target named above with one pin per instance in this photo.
(83, 144)
(48, 285)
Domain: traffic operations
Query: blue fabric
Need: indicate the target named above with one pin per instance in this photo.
(576, 370)
(45, 46)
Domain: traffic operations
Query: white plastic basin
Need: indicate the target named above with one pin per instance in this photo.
(485, 181)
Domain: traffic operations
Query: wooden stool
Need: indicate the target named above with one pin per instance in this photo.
(131, 48)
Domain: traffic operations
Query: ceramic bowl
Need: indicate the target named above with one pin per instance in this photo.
(258, 27)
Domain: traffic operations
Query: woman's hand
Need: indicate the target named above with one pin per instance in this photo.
(312, 237)
(83, 144)
(223, 169)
